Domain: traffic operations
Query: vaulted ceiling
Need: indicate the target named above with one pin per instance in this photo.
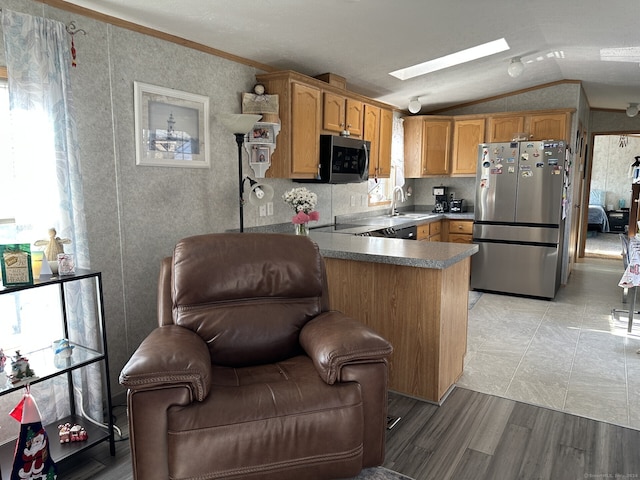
(595, 42)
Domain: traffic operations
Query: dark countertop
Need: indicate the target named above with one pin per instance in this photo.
(361, 225)
(411, 253)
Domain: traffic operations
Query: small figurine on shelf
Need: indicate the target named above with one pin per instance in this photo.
(20, 369)
(3, 374)
(64, 432)
(62, 350)
(78, 433)
(75, 433)
(53, 246)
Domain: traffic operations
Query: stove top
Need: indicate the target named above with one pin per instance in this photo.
(346, 228)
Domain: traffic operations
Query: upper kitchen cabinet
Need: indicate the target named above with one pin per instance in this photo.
(548, 126)
(378, 124)
(427, 142)
(340, 113)
(467, 134)
(503, 128)
(305, 141)
(386, 134)
(312, 106)
(539, 125)
(298, 144)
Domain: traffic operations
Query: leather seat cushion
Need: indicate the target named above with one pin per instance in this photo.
(274, 417)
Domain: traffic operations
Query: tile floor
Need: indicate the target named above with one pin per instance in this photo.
(568, 354)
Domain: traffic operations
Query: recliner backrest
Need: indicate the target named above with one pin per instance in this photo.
(247, 295)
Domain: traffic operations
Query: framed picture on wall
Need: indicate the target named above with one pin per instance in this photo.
(261, 133)
(171, 127)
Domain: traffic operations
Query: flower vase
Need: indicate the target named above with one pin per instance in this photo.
(302, 229)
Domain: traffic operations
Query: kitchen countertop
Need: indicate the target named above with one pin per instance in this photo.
(362, 225)
(395, 251)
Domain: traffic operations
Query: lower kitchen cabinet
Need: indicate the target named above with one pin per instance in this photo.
(49, 370)
(430, 232)
(460, 231)
(422, 311)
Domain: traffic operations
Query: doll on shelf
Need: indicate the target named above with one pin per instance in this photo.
(54, 245)
(3, 374)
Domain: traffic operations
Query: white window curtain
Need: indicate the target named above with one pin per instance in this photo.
(397, 150)
(47, 184)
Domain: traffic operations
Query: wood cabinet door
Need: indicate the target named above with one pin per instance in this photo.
(413, 147)
(502, 129)
(372, 133)
(423, 232)
(305, 130)
(385, 138)
(436, 140)
(467, 135)
(461, 226)
(460, 238)
(333, 112)
(548, 127)
(354, 115)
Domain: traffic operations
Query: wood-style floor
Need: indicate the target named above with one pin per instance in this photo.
(471, 436)
(483, 437)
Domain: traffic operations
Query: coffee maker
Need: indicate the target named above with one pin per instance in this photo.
(442, 199)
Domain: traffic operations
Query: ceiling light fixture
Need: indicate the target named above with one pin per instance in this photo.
(415, 105)
(632, 110)
(516, 67)
(463, 56)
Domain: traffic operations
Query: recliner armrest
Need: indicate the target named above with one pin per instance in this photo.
(170, 355)
(332, 340)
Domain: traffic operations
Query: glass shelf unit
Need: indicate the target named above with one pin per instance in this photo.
(42, 362)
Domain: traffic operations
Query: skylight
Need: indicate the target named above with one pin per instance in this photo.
(623, 54)
(452, 59)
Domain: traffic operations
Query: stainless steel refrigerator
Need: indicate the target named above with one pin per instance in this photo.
(519, 219)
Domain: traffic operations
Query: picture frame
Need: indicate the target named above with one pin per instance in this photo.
(171, 127)
(261, 154)
(262, 133)
(15, 264)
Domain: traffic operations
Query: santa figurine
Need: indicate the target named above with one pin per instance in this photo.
(31, 459)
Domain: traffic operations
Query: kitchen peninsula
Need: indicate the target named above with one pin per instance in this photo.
(413, 293)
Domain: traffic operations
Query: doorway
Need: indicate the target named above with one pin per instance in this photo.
(609, 193)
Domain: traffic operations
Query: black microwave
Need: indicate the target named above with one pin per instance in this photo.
(343, 159)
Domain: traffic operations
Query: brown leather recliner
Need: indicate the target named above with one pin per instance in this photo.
(249, 374)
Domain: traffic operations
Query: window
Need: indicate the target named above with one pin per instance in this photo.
(7, 220)
(22, 326)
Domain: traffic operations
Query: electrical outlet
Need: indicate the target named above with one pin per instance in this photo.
(353, 200)
(269, 208)
(263, 210)
(452, 194)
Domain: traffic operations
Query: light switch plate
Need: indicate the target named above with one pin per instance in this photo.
(269, 208)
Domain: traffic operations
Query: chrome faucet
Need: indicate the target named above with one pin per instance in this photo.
(393, 211)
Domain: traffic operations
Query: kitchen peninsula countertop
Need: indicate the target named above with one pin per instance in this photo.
(394, 251)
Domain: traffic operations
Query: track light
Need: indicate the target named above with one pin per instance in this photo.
(632, 110)
(415, 105)
(516, 67)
